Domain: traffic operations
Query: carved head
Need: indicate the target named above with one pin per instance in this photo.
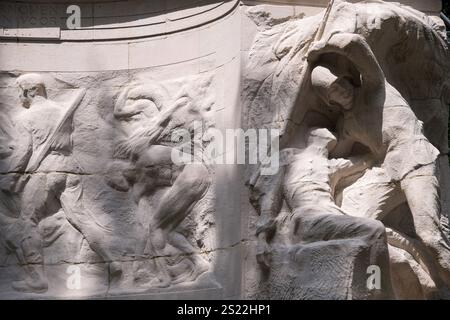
(146, 99)
(30, 86)
(332, 89)
(138, 104)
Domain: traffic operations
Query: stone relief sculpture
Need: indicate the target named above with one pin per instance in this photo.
(106, 189)
(47, 135)
(45, 180)
(407, 156)
(151, 166)
(346, 71)
(46, 194)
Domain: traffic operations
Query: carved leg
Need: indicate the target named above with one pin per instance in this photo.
(35, 197)
(404, 275)
(177, 202)
(36, 282)
(82, 220)
(28, 251)
(155, 245)
(176, 205)
(422, 193)
(180, 242)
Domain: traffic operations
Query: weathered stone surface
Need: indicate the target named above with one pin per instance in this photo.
(371, 195)
(94, 204)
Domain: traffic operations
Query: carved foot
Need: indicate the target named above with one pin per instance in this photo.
(30, 286)
(159, 283)
(199, 267)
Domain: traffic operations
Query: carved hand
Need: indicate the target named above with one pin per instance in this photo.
(144, 137)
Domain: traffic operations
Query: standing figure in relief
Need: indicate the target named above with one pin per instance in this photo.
(376, 115)
(47, 166)
(14, 155)
(53, 182)
(152, 167)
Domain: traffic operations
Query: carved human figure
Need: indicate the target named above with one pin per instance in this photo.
(376, 115)
(52, 177)
(40, 117)
(13, 159)
(152, 167)
(311, 177)
(307, 185)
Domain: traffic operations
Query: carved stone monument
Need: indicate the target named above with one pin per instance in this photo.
(119, 177)
(364, 185)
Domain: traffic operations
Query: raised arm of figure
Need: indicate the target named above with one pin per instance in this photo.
(355, 48)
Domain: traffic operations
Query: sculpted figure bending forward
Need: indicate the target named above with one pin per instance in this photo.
(152, 167)
(376, 115)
